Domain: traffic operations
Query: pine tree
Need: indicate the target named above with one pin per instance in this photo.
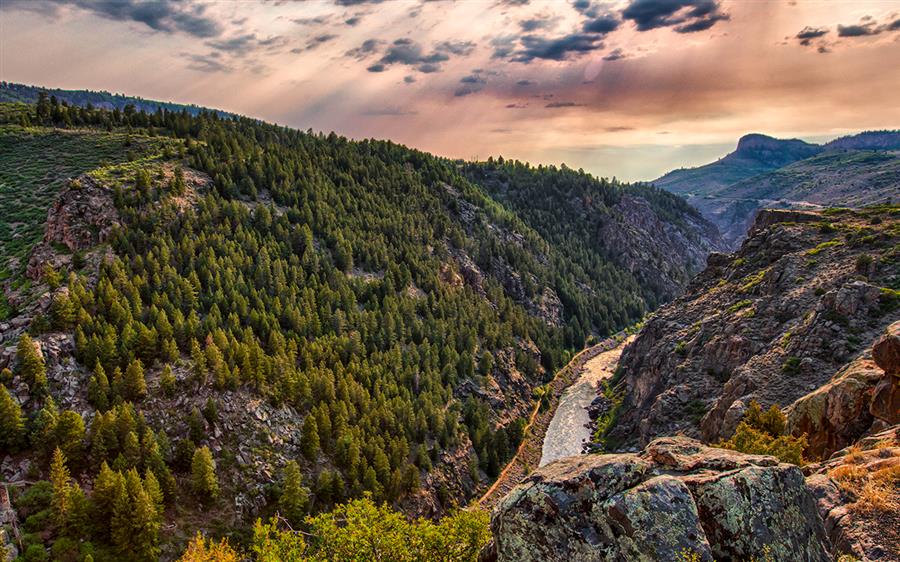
(135, 386)
(98, 388)
(309, 438)
(60, 480)
(203, 475)
(69, 436)
(12, 423)
(167, 381)
(31, 365)
(294, 498)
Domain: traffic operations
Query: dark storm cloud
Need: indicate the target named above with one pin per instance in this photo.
(168, 16)
(557, 48)
(685, 16)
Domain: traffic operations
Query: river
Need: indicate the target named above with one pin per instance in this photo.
(568, 431)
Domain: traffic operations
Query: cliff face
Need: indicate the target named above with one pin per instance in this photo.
(805, 294)
(659, 254)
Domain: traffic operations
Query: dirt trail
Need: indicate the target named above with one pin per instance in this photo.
(568, 431)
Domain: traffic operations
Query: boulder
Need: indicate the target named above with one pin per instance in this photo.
(677, 496)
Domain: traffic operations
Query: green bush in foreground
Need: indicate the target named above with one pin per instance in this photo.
(358, 530)
(762, 433)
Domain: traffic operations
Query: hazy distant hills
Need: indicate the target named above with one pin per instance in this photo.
(12, 92)
(855, 171)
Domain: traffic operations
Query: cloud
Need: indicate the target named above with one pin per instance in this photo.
(516, 105)
(539, 22)
(615, 54)
(685, 16)
(352, 21)
(470, 84)
(409, 79)
(524, 82)
(459, 48)
(243, 45)
(858, 30)
(561, 104)
(807, 34)
(618, 129)
(167, 16)
(319, 39)
(389, 111)
(602, 24)
(368, 47)
(558, 49)
(406, 52)
(206, 63)
(318, 20)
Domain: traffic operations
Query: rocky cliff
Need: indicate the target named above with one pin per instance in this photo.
(804, 296)
(675, 500)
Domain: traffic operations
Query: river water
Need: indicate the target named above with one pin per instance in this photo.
(568, 431)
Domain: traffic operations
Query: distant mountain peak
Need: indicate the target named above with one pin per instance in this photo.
(772, 151)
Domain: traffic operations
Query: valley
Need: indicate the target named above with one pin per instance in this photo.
(218, 325)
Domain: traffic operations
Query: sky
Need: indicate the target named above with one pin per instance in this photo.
(629, 88)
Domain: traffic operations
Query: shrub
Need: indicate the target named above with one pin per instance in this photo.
(762, 433)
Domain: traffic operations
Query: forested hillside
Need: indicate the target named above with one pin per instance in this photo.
(226, 319)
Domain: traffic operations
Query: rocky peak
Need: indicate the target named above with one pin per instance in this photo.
(771, 151)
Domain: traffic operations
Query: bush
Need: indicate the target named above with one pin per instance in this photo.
(762, 433)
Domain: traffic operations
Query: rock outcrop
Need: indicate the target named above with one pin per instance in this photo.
(772, 323)
(676, 497)
(864, 392)
(83, 216)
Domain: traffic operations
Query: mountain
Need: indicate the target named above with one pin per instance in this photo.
(209, 319)
(851, 171)
(755, 154)
(11, 92)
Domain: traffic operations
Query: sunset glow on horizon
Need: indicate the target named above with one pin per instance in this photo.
(629, 89)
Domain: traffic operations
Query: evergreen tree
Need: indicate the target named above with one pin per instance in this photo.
(309, 438)
(12, 423)
(135, 386)
(98, 389)
(167, 381)
(60, 480)
(294, 498)
(69, 436)
(203, 475)
(31, 365)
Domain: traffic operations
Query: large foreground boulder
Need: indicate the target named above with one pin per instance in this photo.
(675, 498)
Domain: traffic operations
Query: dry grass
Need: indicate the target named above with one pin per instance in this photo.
(874, 487)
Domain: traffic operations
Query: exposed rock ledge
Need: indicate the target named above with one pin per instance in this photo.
(676, 496)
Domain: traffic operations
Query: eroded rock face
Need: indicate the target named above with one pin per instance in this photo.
(773, 323)
(676, 496)
(83, 216)
(885, 404)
